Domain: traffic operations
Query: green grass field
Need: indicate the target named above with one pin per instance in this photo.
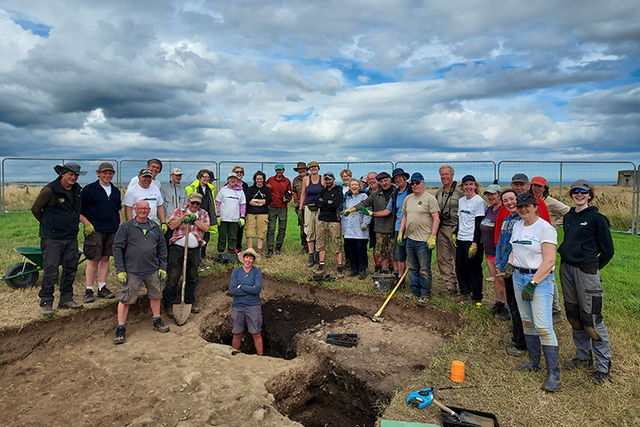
(491, 384)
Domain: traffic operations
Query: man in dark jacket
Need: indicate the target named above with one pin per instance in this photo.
(101, 214)
(140, 255)
(328, 203)
(57, 208)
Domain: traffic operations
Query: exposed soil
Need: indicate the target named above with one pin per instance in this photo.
(67, 371)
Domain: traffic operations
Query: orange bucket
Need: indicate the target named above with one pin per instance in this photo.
(457, 371)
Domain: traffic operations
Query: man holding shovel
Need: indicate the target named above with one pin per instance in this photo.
(197, 221)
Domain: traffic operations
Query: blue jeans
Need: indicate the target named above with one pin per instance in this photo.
(419, 264)
(536, 315)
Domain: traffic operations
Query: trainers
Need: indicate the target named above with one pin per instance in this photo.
(47, 310)
(106, 293)
(600, 377)
(202, 266)
(409, 297)
(321, 268)
(72, 305)
(88, 296)
(160, 327)
(194, 309)
(577, 363)
(363, 275)
(119, 335)
(516, 352)
(422, 302)
(503, 315)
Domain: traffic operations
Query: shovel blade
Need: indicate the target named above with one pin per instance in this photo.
(181, 313)
(476, 419)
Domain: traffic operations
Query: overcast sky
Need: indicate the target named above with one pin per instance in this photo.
(328, 80)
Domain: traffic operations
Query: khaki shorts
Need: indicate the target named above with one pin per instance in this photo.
(98, 245)
(129, 291)
(310, 223)
(326, 231)
(259, 221)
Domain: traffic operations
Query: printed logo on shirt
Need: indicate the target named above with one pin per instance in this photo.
(465, 211)
(523, 242)
(420, 203)
(62, 200)
(487, 223)
(584, 223)
(151, 199)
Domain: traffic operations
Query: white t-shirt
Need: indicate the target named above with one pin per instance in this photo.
(526, 242)
(107, 189)
(154, 181)
(468, 210)
(151, 195)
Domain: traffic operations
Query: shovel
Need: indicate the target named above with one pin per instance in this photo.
(376, 317)
(181, 311)
(466, 417)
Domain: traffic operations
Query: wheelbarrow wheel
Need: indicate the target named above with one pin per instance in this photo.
(28, 278)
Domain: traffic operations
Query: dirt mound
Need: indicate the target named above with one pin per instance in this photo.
(67, 371)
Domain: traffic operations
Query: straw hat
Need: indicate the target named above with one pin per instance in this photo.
(250, 251)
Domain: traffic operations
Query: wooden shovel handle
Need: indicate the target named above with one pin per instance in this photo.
(184, 262)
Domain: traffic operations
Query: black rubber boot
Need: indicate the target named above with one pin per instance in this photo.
(551, 358)
(533, 347)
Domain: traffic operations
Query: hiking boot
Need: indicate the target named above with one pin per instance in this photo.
(269, 253)
(88, 296)
(464, 299)
(557, 317)
(509, 343)
(195, 309)
(71, 305)
(316, 257)
(422, 302)
(202, 266)
(119, 335)
(409, 297)
(47, 310)
(320, 268)
(363, 275)
(105, 293)
(340, 274)
(278, 251)
(160, 327)
(353, 274)
(503, 315)
(599, 378)
(378, 269)
(515, 352)
(312, 261)
(303, 251)
(497, 307)
(168, 310)
(578, 363)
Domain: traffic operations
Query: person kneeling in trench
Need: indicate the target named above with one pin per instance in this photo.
(245, 287)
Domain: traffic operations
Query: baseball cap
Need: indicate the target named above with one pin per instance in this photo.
(468, 178)
(176, 171)
(329, 175)
(417, 176)
(105, 167)
(581, 184)
(145, 172)
(519, 177)
(195, 197)
(526, 199)
(279, 166)
(539, 181)
(493, 188)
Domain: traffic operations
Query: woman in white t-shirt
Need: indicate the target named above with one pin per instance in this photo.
(532, 258)
(469, 252)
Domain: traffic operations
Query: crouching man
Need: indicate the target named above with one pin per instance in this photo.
(140, 255)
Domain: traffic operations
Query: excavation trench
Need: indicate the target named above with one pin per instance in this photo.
(178, 378)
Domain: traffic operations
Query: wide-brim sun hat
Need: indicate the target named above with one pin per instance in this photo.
(249, 251)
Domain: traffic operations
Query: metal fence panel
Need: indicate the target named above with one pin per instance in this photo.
(23, 178)
(190, 168)
(484, 171)
(615, 201)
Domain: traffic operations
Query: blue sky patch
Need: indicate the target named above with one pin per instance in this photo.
(37, 29)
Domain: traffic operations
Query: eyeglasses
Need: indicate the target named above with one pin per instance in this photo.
(195, 203)
(578, 191)
(143, 209)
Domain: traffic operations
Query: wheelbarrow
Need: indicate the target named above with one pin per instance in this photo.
(26, 273)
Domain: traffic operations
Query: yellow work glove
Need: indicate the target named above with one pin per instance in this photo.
(89, 229)
(164, 227)
(454, 240)
(122, 277)
(241, 222)
(346, 212)
(401, 238)
(219, 221)
(162, 275)
(431, 242)
(472, 252)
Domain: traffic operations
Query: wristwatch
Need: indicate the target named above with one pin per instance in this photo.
(534, 283)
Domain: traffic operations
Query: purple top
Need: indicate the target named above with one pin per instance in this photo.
(487, 228)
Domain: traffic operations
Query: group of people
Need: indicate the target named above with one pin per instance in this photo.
(394, 215)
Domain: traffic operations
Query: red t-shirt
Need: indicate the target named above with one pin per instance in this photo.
(278, 188)
(543, 211)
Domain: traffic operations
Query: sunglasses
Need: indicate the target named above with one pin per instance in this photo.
(415, 182)
(239, 172)
(195, 203)
(577, 191)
